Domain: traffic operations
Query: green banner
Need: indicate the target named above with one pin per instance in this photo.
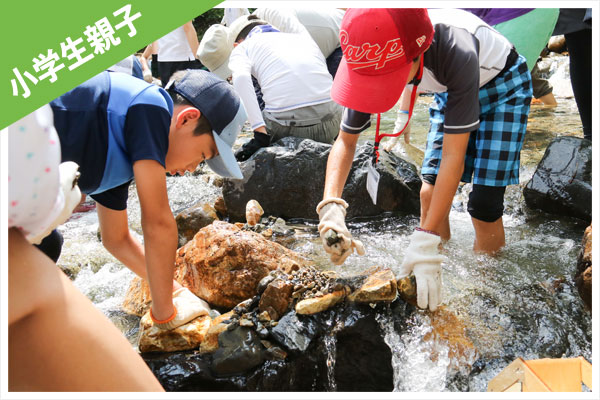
(52, 46)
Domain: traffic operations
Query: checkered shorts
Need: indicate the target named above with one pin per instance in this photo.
(493, 152)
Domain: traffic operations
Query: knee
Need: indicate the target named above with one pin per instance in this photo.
(427, 189)
(486, 203)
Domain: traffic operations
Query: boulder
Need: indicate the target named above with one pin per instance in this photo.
(583, 276)
(185, 337)
(287, 179)
(562, 182)
(191, 220)
(224, 264)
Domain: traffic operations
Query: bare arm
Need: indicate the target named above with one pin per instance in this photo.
(150, 49)
(339, 164)
(192, 37)
(160, 234)
(118, 240)
(448, 178)
(57, 339)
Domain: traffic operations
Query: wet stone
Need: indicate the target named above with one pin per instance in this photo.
(239, 350)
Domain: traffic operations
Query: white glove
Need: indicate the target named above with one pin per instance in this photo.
(147, 75)
(332, 214)
(423, 259)
(399, 124)
(69, 175)
(187, 307)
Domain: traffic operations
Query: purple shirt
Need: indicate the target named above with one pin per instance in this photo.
(493, 16)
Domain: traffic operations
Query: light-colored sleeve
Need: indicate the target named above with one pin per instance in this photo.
(241, 68)
(282, 19)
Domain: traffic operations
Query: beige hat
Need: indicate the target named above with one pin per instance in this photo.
(214, 50)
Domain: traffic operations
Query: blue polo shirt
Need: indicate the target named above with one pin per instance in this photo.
(107, 124)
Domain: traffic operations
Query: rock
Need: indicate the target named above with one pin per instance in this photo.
(220, 207)
(583, 276)
(321, 303)
(294, 170)
(277, 295)
(407, 289)
(239, 350)
(137, 299)
(253, 212)
(223, 264)
(211, 338)
(185, 337)
(562, 183)
(362, 360)
(294, 333)
(380, 285)
(192, 219)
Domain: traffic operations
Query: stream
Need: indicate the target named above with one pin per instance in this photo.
(522, 303)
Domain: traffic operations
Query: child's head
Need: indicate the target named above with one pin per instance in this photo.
(380, 48)
(207, 117)
(218, 42)
(241, 27)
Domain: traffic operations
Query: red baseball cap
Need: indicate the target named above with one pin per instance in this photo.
(379, 46)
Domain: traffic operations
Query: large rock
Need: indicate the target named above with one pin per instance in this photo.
(287, 179)
(562, 183)
(583, 276)
(223, 264)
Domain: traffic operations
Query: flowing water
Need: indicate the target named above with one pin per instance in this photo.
(521, 303)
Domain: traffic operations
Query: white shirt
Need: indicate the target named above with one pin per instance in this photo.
(323, 25)
(174, 46)
(290, 70)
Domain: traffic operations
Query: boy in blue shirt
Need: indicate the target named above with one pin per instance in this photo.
(118, 128)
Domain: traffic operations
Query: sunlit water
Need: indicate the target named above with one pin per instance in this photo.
(522, 303)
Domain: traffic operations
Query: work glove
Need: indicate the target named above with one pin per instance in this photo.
(259, 141)
(423, 259)
(398, 125)
(337, 240)
(147, 75)
(187, 307)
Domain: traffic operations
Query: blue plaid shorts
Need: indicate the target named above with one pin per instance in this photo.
(493, 152)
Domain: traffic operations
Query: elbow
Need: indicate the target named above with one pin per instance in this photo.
(161, 225)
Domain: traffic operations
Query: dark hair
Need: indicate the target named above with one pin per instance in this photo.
(244, 32)
(203, 126)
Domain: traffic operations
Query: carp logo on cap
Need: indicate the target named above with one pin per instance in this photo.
(370, 54)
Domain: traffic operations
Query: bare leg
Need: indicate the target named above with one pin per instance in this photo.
(489, 236)
(58, 340)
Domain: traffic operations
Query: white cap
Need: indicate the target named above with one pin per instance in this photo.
(214, 50)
